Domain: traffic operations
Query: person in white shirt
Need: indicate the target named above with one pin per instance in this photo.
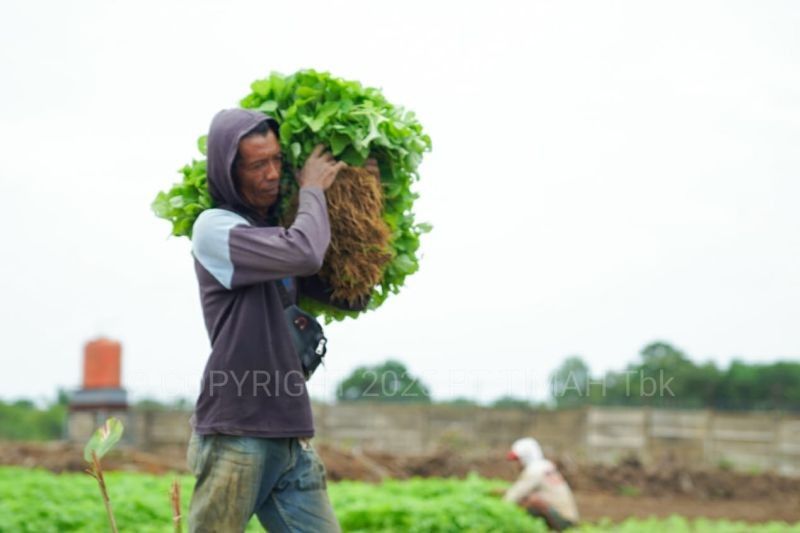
(540, 488)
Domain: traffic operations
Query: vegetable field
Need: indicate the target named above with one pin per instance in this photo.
(41, 501)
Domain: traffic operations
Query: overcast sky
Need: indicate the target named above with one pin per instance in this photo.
(603, 175)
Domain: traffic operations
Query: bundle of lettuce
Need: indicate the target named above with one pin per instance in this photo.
(374, 237)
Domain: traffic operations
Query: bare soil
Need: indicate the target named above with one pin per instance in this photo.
(594, 506)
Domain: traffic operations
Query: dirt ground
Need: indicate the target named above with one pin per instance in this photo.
(628, 489)
(596, 505)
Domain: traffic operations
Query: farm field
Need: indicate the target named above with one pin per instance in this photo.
(37, 500)
(618, 492)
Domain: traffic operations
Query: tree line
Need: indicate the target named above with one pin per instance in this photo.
(664, 376)
(661, 376)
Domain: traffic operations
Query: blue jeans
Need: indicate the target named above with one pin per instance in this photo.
(282, 481)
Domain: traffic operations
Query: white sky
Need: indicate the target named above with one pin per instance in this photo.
(604, 174)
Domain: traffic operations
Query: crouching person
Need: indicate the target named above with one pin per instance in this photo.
(541, 489)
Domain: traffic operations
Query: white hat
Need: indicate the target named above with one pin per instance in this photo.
(527, 450)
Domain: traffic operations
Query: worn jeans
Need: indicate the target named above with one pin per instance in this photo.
(282, 481)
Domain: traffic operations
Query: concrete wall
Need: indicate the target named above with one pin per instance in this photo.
(745, 440)
(750, 440)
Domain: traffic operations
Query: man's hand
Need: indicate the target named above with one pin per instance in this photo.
(320, 169)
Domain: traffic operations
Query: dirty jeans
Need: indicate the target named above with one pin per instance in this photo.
(282, 481)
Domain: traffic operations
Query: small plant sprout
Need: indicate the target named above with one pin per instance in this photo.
(102, 441)
(175, 496)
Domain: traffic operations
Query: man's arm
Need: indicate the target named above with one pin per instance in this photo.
(238, 254)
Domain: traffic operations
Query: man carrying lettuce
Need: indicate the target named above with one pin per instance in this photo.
(250, 448)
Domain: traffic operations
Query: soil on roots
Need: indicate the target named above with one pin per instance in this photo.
(359, 249)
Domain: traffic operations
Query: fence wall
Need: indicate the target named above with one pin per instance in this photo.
(750, 440)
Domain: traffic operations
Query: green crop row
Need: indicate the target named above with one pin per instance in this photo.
(40, 501)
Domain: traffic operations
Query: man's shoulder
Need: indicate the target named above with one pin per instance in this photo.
(215, 220)
(211, 242)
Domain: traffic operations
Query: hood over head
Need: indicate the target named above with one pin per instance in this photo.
(226, 130)
(527, 450)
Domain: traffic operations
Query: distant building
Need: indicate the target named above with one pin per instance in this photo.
(101, 395)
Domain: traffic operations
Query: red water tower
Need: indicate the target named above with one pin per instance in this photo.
(102, 377)
(101, 364)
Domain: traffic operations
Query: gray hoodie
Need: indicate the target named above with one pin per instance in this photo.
(253, 383)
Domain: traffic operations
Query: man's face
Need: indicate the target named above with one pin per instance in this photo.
(258, 170)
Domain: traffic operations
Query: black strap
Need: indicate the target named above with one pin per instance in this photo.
(286, 300)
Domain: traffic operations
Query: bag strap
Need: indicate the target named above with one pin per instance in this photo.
(286, 300)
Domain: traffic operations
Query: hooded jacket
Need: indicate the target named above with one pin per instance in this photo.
(253, 382)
